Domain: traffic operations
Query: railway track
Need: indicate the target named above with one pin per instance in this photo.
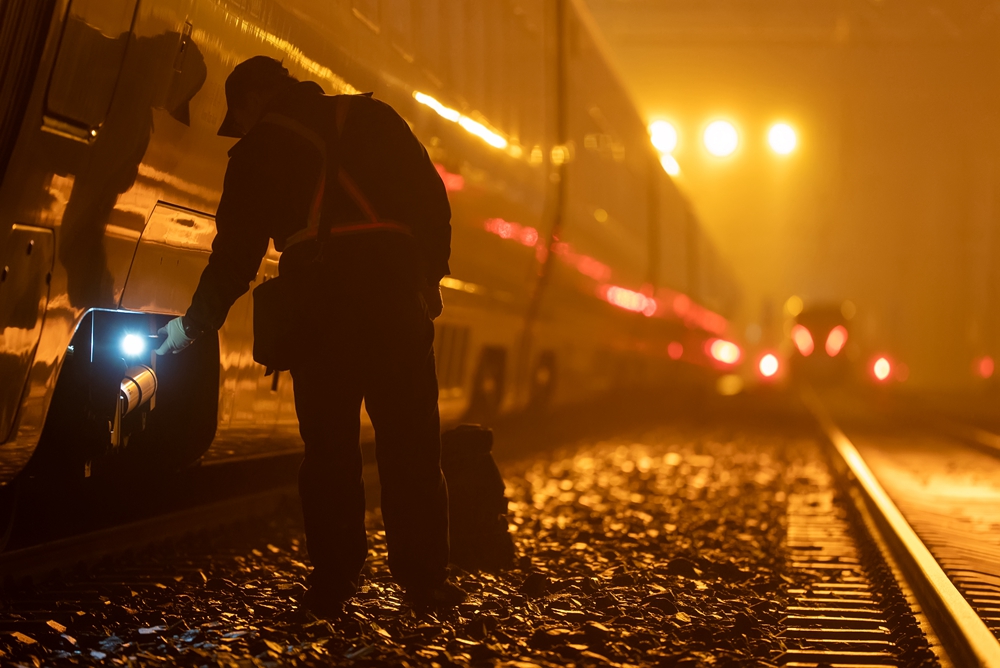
(58, 535)
(949, 587)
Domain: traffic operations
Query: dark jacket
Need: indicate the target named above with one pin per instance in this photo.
(271, 181)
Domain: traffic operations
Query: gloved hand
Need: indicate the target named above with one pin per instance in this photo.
(177, 338)
(430, 296)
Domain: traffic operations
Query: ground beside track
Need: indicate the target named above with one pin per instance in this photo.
(662, 545)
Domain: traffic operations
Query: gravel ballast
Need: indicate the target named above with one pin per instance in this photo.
(665, 548)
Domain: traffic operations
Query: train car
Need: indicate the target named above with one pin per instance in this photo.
(819, 336)
(577, 266)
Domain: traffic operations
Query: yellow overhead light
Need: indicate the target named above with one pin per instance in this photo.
(670, 165)
(663, 135)
(721, 138)
(782, 138)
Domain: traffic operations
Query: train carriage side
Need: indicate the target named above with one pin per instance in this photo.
(107, 205)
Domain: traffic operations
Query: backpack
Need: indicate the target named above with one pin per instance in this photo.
(477, 505)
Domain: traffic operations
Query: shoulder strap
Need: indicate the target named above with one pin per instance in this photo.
(313, 221)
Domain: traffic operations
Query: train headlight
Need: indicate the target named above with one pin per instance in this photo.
(803, 340)
(133, 345)
(835, 340)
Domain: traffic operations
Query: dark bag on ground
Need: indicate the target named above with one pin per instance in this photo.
(476, 500)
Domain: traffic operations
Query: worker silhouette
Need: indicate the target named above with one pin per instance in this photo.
(369, 272)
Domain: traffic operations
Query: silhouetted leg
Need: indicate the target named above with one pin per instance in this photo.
(401, 396)
(328, 403)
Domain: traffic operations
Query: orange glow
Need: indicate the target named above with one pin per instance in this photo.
(452, 182)
(675, 349)
(985, 366)
(803, 340)
(835, 340)
(724, 351)
(682, 303)
(768, 365)
(628, 299)
(882, 368)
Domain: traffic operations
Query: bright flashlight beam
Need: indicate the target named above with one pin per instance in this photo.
(133, 345)
(782, 139)
(721, 139)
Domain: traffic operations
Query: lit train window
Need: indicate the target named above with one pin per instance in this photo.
(94, 40)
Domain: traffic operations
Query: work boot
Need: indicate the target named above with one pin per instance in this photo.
(444, 595)
(327, 599)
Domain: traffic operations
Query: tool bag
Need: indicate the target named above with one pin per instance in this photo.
(477, 505)
(282, 305)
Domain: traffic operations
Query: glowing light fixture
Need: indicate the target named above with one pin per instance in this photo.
(803, 340)
(469, 125)
(782, 138)
(835, 340)
(768, 365)
(985, 366)
(443, 111)
(675, 349)
(133, 345)
(663, 135)
(670, 166)
(721, 139)
(882, 368)
(724, 351)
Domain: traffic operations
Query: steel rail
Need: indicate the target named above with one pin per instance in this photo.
(965, 636)
(50, 557)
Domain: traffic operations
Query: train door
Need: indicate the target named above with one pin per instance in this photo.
(25, 266)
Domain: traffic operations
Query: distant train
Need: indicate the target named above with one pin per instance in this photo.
(577, 266)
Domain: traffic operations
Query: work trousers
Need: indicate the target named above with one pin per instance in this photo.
(371, 340)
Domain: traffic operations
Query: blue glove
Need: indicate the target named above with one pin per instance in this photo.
(177, 338)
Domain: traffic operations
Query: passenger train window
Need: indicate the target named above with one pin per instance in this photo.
(95, 37)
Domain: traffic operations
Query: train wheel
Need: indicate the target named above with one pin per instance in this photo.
(488, 385)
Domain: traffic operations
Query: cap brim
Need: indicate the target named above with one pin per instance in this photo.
(229, 127)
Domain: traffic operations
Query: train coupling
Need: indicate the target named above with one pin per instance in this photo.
(136, 397)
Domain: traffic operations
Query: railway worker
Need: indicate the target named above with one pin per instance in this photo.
(370, 270)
